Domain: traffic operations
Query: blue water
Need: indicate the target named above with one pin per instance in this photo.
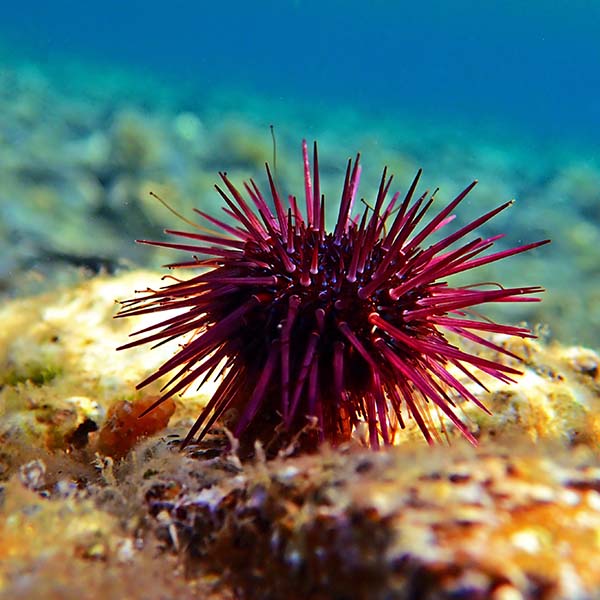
(534, 65)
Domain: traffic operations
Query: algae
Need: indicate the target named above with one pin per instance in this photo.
(79, 518)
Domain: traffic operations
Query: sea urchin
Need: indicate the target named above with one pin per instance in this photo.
(335, 328)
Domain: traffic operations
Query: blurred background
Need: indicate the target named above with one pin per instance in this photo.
(102, 102)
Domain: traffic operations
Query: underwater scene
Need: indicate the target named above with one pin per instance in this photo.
(355, 354)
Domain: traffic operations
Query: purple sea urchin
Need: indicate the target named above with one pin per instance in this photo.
(337, 327)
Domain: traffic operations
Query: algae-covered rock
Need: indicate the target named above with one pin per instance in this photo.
(403, 523)
(94, 499)
(67, 548)
(59, 367)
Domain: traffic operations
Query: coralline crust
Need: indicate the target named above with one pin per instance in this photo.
(504, 521)
(517, 517)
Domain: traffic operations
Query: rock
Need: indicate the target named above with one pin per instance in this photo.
(515, 517)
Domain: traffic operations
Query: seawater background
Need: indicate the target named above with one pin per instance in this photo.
(101, 102)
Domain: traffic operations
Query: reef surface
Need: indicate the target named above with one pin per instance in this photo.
(95, 501)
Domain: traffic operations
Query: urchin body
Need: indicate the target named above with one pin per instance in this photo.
(335, 328)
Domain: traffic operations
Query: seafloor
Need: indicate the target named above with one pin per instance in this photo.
(97, 503)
